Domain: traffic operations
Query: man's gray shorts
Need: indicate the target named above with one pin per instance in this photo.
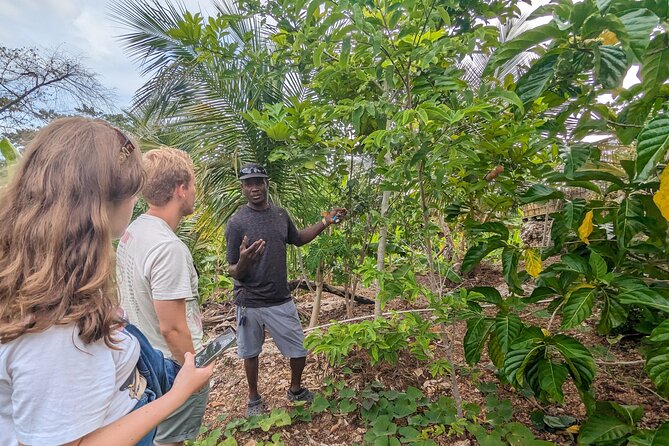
(184, 423)
(283, 325)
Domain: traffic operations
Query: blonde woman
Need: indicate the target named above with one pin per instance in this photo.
(70, 373)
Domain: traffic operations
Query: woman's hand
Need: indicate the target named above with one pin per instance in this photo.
(191, 379)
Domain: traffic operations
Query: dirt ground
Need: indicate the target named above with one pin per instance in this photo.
(620, 377)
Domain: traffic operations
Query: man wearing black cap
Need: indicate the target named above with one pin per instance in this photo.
(256, 250)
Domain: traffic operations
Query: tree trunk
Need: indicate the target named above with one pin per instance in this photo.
(316, 310)
(383, 240)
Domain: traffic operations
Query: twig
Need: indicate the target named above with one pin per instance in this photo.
(638, 361)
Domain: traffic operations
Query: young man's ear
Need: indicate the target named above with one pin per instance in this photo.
(180, 191)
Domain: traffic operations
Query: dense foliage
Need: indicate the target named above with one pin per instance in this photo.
(435, 122)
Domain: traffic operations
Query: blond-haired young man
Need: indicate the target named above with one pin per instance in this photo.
(157, 280)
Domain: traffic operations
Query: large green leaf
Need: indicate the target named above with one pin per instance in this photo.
(533, 83)
(488, 294)
(652, 145)
(574, 157)
(539, 192)
(523, 356)
(508, 96)
(610, 66)
(476, 253)
(602, 428)
(578, 307)
(573, 262)
(603, 5)
(632, 119)
(505, 330)
(647, 297)
(597, 265)
(639, 24)
(579, 360)
(613, 313)
(657, 357)
(658, 437)
(572, 212)
(478, 330)
(524, 41)
(510, 258)
(491, 226)
(655, 64)
(551, 378)
(629, 220)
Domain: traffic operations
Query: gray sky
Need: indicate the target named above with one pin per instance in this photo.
(80, 28)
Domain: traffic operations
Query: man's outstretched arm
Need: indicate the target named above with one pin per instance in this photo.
(308, 234)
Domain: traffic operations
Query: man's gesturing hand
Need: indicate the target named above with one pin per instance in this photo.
(336, 215)
(248, 254)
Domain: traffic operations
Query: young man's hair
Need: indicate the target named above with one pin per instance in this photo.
(166, 168)
(56, 255)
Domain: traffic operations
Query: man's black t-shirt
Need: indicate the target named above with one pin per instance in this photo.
(266, 281)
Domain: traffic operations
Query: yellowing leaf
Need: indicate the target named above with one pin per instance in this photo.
(545, 332)
(586, 228)
(608, 37)
(533, 264)
(661, 197)
(574, 429)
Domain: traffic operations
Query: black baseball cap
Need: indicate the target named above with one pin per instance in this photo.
(252, 170)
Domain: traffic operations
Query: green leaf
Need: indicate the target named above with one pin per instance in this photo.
(491, 226)
(603, 5)
(523, 355)
(508, 96)
(551, 378)
(652, 145)
(639, 24)
(510, 258)
(505, 330)
(657, 357)
(8, 151)
(476, 253)
(597, 265)
(655, 65)
(533, 83)
(572, 212)
(629, 220)
(320, 404)
(574, 157)
(514, 47)
(539, 192)
(659, 437)
(602, 428)
(478, 330)
(647, 297)
(578, 307)
(610, 66)
(578, 359)
(633, 117)
(488, 294)
(574, 262)
(613, 314)
(345, 52)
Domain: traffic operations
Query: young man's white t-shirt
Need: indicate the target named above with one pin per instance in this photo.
(153, 264)
(55, 389)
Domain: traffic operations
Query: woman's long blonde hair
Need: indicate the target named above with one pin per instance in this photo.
(56, 254)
